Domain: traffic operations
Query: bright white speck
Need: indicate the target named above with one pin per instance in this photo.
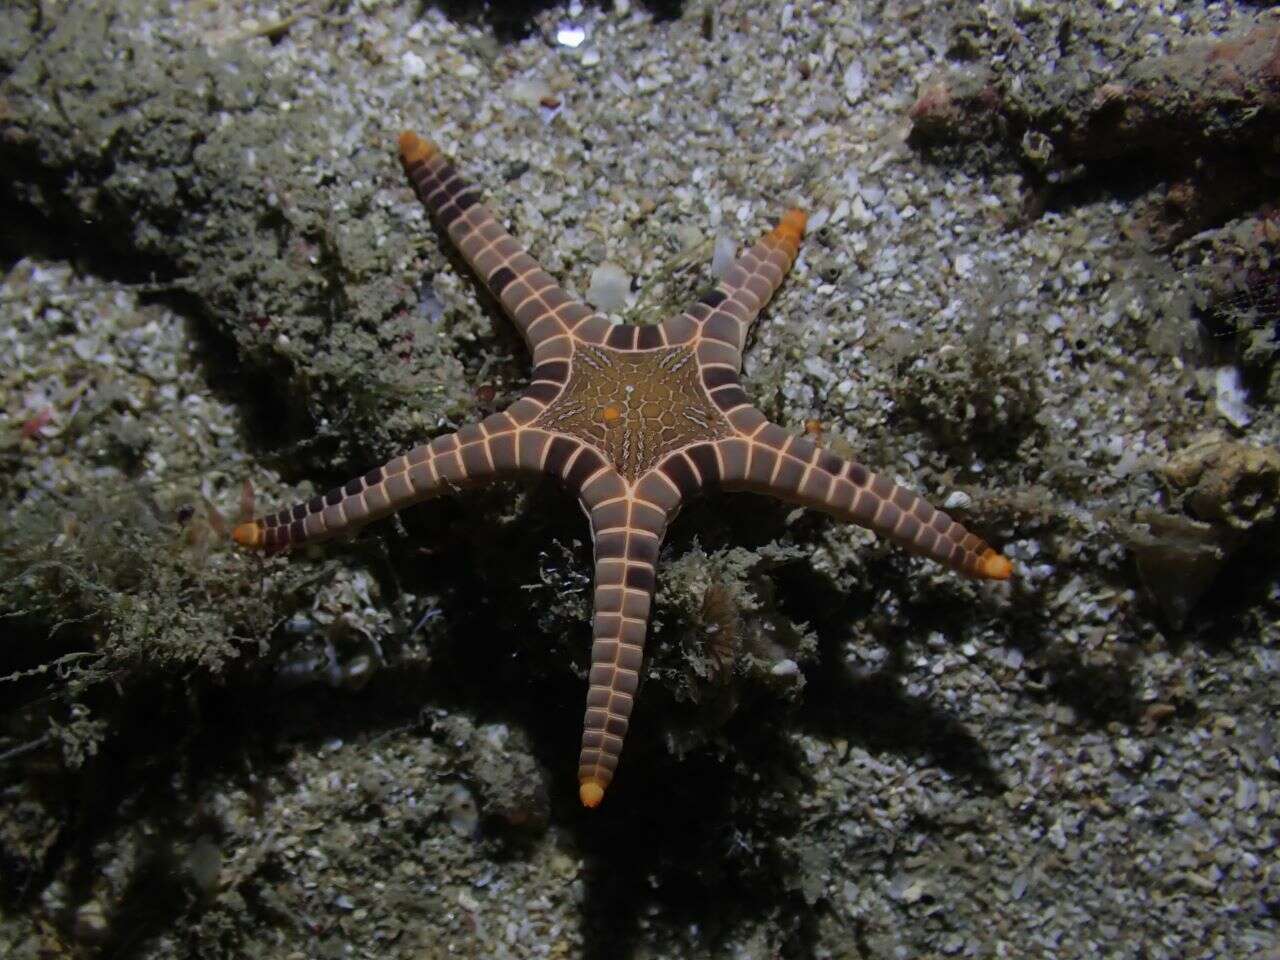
(570, 35)
(1231, 399)
(855, 81)
(414, 66)
(785, 668)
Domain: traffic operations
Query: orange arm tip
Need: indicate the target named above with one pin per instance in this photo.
(790, 228)
(247, 535)
(413, 149)
(591, 792)
(994, 567)
(794, 220)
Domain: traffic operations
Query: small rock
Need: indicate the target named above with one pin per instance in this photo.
(785, 668)
(204, 864)
(414, 66)
(855, 81)
(91, 924)
(464, 814)
(1246, 794)
(609, 287)
(529, 92)
(723, 255)
(1227, 482)
(1177, 561)
(912, 892)
(1231, 398)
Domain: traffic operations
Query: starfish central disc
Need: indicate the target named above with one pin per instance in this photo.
(635, 406)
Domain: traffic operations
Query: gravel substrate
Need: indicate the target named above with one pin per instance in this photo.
(215, 273)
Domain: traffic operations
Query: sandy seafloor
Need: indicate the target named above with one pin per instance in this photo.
(215, 272)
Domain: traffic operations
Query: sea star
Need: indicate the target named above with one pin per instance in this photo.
(634, 420)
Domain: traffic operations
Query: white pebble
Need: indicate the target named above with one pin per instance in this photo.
(570, 35)
(1230, 397)
(609, 287)
(529, 93)
(912, 892)
(723, 256)
(414, 66)
(463, 813)
(855, 81)
(1246, 793)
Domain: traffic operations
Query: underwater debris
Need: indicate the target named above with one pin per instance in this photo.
(964, 107)
(1205, 116)
(1231, 484)
(461, 811)
(91, 925)
(983, 395)
(1155, 715)
(305, 665)
(733, 646)
(1237, 271)
(723, 619)
(32, 426)
(1233, 492)
(1178, 559)
(351, 632)
(505, 784)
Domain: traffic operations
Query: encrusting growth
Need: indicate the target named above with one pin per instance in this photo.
(634, 420)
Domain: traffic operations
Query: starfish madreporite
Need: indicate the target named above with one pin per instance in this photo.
(634, 420)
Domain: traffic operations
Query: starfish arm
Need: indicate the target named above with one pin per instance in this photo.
(499, 446)
(765, 458)
(627, 527)
(544, 314)
(722, 317)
